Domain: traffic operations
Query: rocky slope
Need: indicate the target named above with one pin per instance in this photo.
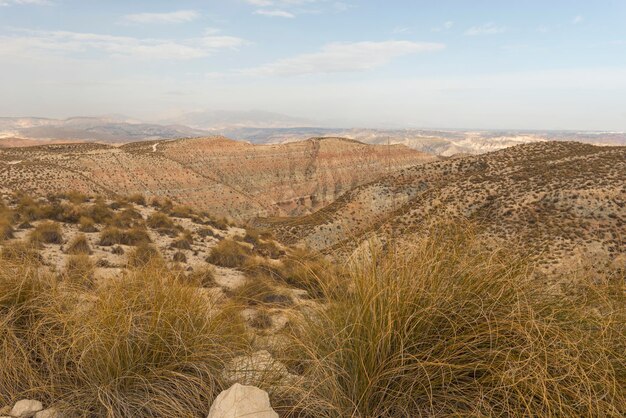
(216, 174)
(562, 201)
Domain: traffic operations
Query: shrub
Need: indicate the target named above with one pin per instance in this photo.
(179, 257)
(20, 252)
(144, 255)
(160, 221)
(115, 236)
(79, 270)
(181, 211)
(183, 243)
(99, 212)
(86, 224)
(450, 329)
(204, 277)
(143, 346)
(137, 198)
(79, 245)
(128, 218)
(6, 228)
(47, 233)
(261, 291)
(228, 253)
(162, 203)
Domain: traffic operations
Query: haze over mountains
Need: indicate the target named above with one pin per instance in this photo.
(266, 127)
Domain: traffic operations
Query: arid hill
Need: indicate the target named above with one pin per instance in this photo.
(561, 201)
(222, 176)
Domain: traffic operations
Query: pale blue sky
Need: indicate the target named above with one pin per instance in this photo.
(460, 64)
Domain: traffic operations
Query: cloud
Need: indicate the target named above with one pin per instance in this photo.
(34, 43)
(343, 57)
(275, 13)
(35, 2)
(401, 29)
(486, 29)
(444, 27)
(578, 19)
(260, 3)
(180, 16)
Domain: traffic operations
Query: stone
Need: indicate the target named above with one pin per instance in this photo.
(48, 413)
(26, 408)
(242, 401)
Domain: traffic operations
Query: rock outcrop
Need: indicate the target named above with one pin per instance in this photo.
(242, 401)
(222, 176)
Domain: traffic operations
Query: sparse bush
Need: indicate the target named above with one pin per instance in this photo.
(204, 277)
(6, 228)
(261, 291)
(160, 221)
(450, 329)
(228, 253)
(86, 224)
(46, 233)
(138, 199)
(143, 255)
(128, 218)
(143, 346)
(115, 236)
(181, 211)
(79, 245)
(179, 257)
(162, 203)
(79, 270)
(20, 252)
(183, 243)
(99, 212)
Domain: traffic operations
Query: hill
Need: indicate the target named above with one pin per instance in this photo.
(223, 176)
(562, 201)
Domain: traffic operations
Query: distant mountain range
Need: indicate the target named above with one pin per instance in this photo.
(262, 127)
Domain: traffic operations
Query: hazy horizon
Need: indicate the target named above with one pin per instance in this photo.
(488, 66)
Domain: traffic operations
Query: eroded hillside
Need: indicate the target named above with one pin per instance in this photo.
(563, 201)
(217, 174)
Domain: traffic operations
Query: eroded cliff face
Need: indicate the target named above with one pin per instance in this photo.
(222, 176)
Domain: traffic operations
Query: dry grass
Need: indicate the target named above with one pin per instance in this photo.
(79, 270)
(261, 291)
(143, 346)
(86, 224)
(116, 236)
(144, 255)
(449, 329)
(204, 277)
(228, 253)
(46, 233)
(79, 245)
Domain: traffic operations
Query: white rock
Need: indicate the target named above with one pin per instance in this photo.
(26, 408)
(48, 413)
(242, 401)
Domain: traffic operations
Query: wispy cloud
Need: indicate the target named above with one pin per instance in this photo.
(486, 29)
(36, 43)
(577, 19)
(275, 13)
(179, 16)
(343, 57)
(36, 2)
(444, 27)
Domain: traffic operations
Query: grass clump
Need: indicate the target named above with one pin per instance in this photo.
(204, 277)
(143, 346)
(143, 255)
(86, 224)
(20, 252)
(183, 243)
(228, 253)
(116, 236)
(79, 270)
(137, 198)
(47, 232)
(449, 329)
(179, 257)
(6, 227)
(79, 245)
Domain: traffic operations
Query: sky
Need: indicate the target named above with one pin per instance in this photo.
(352, 63)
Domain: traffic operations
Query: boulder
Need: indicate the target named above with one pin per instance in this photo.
(242, 401)
(48, 413)
(26, 408)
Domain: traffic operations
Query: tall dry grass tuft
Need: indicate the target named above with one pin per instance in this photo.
(145, 344)
(447, 328)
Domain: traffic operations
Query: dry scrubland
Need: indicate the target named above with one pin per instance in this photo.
(131, 308)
